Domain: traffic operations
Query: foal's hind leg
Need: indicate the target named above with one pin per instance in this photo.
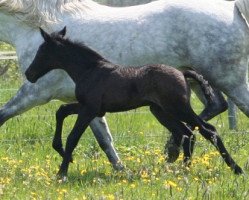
(180, 132)
(209, 132)
(212, 109)
(172, 147)
(215, 139)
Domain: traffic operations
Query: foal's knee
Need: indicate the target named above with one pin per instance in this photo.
(57, 145)
(209, 132)
(209, 126)
(60, 113)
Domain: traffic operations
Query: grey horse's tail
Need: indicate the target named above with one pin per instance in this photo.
(206, 88)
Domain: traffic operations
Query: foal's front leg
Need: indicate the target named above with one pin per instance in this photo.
(61, 114)
(85, 116)
(103, 137)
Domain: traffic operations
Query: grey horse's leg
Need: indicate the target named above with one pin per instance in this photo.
(212, 109)
(240, 96)
(27, 97)
(31, 95)
(102, 134)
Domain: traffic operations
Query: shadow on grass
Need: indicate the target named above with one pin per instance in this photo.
(97, 177)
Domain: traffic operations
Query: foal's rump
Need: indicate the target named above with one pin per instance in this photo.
(171, 85)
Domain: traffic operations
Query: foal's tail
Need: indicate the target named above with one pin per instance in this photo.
(206, 88)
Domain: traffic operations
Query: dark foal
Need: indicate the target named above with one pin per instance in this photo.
(104, 87)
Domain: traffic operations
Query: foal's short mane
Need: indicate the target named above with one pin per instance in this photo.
(38, 13)
(78, 48)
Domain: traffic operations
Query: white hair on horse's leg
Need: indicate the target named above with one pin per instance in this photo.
(243, 6)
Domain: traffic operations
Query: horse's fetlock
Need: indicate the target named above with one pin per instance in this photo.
(214, 139)
(57, 145)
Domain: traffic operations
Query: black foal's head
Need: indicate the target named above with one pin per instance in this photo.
(46, 58)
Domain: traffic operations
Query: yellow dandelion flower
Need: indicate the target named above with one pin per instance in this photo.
(83, 171)
(124, 181)
(144, 174)
(145, 180)
(170, 183)
(47, 183)
(161, 159)
(206, 162)
(110, 197)
(130, 158)
(64, 191)
(5, 158)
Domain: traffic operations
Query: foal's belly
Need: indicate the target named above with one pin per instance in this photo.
(121, 108)
(121, 103)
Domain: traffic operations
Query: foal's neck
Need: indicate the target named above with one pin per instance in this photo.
(80, 60)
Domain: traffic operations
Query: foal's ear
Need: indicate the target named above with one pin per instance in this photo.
(45, 35)
(62, 32)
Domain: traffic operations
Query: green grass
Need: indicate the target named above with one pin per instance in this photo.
(28, 164)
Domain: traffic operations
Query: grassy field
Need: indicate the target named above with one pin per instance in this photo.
(28, 164)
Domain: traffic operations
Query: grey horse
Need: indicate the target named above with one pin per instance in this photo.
(210, 36)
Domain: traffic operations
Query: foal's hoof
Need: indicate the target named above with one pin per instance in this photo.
(61, 178)
(187, 162)
(171, 151)
(237, 170)
(118, 166)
